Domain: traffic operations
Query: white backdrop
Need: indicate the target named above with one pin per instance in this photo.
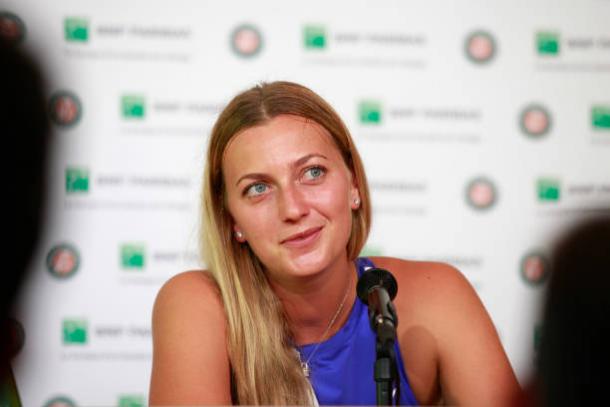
(484, 127)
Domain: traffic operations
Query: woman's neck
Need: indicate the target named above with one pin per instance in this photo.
(312, 303)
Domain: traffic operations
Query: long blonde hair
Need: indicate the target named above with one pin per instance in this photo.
(264, 366)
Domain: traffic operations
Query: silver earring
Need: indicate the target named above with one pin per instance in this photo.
(239, 235)
(356, 202)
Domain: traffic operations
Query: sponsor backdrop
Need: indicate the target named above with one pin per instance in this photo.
(485, 131)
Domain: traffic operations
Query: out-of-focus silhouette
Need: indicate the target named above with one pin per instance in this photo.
(25, 131)
(574, 352)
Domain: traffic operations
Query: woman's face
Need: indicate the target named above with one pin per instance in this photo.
(290, 194)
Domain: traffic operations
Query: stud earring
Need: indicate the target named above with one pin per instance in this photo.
(356, 203)
(239, 235)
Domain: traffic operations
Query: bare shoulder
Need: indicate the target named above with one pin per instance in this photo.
(425, 279)
(190, 358)
(194, 288)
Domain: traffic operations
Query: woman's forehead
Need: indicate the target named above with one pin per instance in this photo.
(282, 139)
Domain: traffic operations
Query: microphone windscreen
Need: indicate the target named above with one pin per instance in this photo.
(376, 278)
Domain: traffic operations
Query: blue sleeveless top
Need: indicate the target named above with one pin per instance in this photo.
(342, 369)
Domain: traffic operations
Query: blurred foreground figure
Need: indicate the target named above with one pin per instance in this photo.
(25, 131)
(574, 354)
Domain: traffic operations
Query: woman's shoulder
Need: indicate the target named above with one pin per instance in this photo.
(432, 288)
(190, 289)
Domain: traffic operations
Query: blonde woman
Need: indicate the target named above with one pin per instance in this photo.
(275, 319)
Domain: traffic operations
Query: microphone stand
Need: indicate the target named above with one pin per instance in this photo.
(386, 377)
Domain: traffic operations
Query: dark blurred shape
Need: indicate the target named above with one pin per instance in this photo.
(25, 130)
(575, 351)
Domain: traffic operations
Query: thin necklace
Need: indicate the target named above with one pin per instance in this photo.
(305, 365)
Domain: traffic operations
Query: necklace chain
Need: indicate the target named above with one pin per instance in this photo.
(305, 365)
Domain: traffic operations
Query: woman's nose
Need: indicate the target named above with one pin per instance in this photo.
(292, 204)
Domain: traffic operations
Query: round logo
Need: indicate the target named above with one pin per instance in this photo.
(481, 193)
(246, 41)
(480, 47)
(65, 109)
(534, 268)
(11, 27)
(63, 261)
(60, 401)
(535, 121)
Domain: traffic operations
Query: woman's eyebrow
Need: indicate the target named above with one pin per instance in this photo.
(297, 163)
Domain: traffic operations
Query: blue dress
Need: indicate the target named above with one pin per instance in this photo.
(342, 369)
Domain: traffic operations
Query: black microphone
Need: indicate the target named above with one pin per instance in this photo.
(377, 288)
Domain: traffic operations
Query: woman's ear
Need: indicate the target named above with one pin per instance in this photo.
(355, 198)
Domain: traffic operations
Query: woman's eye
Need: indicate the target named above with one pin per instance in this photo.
(256, 189)
(314, 173)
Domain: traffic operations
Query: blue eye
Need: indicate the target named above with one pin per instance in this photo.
(314, 173)
(256, 189)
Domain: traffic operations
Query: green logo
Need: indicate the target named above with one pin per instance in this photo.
(600, 117)
(60, 401)
(132, 256)
(75, 331)
(76, 29)
(314, 37)
(370, 112)
(63, 261)
(547, 43)
(131, 400)
(77, 180)
(548, 189)
(133, 107)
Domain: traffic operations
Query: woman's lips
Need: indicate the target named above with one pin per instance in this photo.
(303, 238)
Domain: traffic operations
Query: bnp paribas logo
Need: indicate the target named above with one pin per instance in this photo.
(481, 193)
(133, 107)
(74, 331)
(480, 47)
(535, 121)
(548, 189)
(246, 41)
(547, 43)
(65, 108)
(370, 112)
(314, 37)
(534, 268)
(600, 117)
(76, 29)
(60, 401)
(77, 180)
(131, 400)
(133, 256)
(12, 28)
(63, 261)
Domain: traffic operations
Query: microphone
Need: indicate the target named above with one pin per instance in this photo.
(377, 288)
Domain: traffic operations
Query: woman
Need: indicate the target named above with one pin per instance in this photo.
(286, 212)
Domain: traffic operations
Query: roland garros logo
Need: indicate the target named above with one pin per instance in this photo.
(481, 193)
(60, 401)
(535, 121)
(65, 109)
(246, 41)
(480, 47)
(63, 261)
(11, 27)
(534, 268)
